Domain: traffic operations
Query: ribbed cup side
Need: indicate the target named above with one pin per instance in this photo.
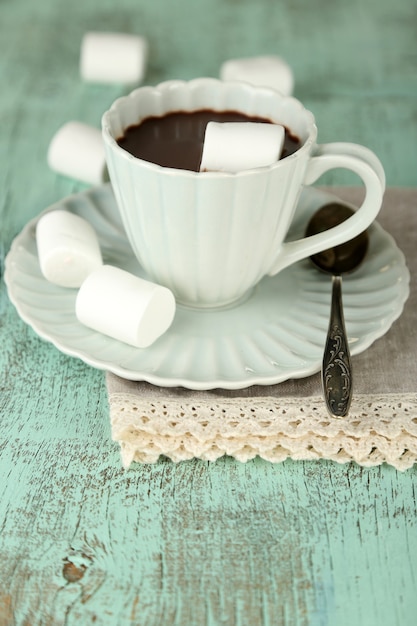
(208, 237)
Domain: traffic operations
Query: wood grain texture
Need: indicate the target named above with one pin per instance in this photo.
(81, 540)
(195, 543)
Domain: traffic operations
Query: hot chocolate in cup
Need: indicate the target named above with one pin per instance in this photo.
(210, 237)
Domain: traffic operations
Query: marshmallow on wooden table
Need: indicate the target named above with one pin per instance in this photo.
(125, 307)
(264, 71)
(237, 146)
(68, 248)
(77, 151)
(113, 58)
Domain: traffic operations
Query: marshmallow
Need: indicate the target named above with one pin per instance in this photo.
(264, 71)
(125, 307)
(68, 248)
(77, 151)
(113, 58)
(236, 146)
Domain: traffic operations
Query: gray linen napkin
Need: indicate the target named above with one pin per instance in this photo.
(289, 419)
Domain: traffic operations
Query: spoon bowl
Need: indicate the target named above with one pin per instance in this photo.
(340, 259)
(337, 366)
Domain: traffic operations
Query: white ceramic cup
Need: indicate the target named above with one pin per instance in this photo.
(210, 237)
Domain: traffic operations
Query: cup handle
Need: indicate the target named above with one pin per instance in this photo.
(367, 166)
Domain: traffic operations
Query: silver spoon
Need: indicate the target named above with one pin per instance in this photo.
(336, 366)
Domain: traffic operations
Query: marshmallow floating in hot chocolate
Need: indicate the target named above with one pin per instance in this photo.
(263, 71)
(77, 151)
(237, 146)
(113, 58)
(68, 248)
(125, 307)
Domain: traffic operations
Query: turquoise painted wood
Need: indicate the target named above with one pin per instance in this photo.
(81, 540)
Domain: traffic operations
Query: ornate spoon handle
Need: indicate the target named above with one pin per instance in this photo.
(337, 369)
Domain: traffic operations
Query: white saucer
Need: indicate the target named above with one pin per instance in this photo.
(276, 334)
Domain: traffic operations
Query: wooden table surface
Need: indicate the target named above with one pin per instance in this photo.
(81, 540)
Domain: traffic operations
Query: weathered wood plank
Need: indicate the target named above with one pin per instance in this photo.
(81, 540)
(244, 544)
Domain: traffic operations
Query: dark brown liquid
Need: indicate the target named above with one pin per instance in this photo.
(176, 139)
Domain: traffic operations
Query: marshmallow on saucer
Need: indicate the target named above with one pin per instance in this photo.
(125, 307)
(77, 151)
(236, 146)
(264, 71)
(68, 248)
(113, 58)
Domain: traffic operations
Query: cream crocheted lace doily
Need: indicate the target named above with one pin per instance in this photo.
(379, 429)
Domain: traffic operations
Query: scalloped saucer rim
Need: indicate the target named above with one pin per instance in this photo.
(275, 334)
